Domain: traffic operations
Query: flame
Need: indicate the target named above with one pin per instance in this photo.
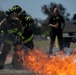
(41, 63)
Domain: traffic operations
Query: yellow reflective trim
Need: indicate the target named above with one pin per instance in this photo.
(22, 37)
(26, 18)
(16, 29)
(8, 10)
(57, 18)
(13, 8)
(12, 31)
(17, 7)
(19, 33)
(29, 39)
(8, 41)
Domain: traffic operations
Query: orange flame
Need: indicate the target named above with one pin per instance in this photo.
(41, 63)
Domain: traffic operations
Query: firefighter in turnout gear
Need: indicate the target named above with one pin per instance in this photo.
(26, 21)
(27, 34)
(12, 29)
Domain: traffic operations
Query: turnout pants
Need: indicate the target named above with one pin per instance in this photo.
(5, 50)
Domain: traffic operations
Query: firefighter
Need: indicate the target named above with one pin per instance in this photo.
(57, 24)
(26, 21)
(12, 29)
(27, 34)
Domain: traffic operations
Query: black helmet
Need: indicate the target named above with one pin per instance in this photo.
(8, 12)
(16, 8)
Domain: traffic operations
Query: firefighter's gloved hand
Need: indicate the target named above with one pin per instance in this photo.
(22, 37)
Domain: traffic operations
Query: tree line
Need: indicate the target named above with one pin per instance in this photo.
(40, 27)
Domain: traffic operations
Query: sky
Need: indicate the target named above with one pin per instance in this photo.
(33, 7)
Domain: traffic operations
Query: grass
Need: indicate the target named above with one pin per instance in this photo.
(43, 44)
